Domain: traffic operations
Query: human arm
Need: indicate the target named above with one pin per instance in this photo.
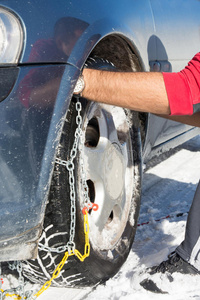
(167, 94)
(192, 120)
(137, 91)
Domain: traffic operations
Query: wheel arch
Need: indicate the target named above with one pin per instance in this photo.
(124, 55)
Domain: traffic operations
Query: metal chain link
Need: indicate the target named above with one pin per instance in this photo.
(70, 167)
(69, 164)
(19, 291)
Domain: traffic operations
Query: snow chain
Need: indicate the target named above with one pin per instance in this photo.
(19, 293)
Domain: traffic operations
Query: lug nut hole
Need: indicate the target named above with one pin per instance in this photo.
(92, 133)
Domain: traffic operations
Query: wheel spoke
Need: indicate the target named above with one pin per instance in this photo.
(93, 159)
(111, 133)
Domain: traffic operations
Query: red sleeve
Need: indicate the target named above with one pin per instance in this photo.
(183, 88)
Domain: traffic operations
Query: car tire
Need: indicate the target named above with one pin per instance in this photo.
(112, 167)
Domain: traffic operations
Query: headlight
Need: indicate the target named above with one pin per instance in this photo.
(11, 37)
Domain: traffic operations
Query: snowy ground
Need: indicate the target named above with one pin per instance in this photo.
(168, 189)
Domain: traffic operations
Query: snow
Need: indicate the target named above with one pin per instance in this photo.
(168, 189)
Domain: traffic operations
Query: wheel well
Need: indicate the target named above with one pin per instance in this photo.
(117, 50)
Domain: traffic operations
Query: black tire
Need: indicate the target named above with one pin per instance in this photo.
(105, 258)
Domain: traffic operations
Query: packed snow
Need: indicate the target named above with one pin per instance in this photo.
(168, 188)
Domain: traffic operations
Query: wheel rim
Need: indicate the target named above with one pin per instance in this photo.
(109, 172)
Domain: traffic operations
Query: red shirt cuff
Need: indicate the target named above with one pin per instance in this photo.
(178, 93)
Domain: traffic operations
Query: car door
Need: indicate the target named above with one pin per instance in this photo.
(177, 36)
